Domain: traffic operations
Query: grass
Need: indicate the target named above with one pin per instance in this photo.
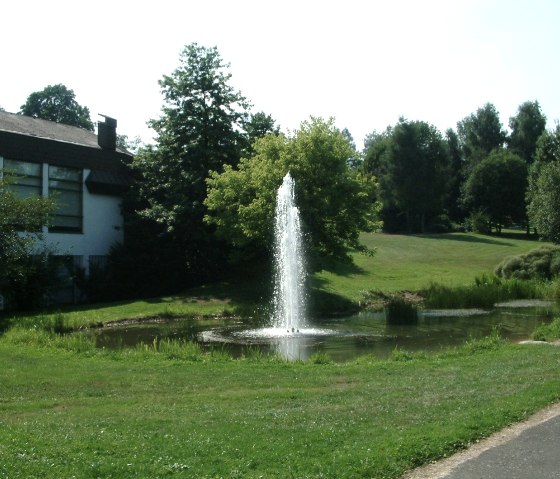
(68, 410)
(400, 263)
(485, 292)
(413, 262)
(548, 332)
(169, 409)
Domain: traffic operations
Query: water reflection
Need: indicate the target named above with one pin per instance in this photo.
(292, 348)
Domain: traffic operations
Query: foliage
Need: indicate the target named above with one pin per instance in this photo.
(548, 332)
(57, 103)
(484, 292)
(452, 202)
(412, 163)
(259, 125)
(479, 134)
(335, 202)
(400, 311)
(526, 128)
(479, 222)
(544, 199)
(17, 214)
(540, 263)
(200, 129)
(496, 186)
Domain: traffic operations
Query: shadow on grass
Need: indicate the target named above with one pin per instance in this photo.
(468, 238)
(324, 304)
(341, 268)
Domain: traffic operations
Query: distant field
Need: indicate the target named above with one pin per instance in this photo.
(412, 262)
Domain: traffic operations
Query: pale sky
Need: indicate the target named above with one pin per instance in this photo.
(365, 63)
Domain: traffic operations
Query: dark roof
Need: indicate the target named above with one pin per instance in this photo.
(27, 125)
(31, 139)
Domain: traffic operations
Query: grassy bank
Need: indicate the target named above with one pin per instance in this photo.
(67, 410)
(414, 262)
(400, 263)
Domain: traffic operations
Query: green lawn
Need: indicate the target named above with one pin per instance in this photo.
(412, 262)
(70, 410)
(145, 414)
(400, 263)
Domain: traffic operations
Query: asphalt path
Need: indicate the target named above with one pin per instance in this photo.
(528, 450)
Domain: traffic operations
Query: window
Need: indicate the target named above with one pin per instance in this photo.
(66, 185)
(28, 177)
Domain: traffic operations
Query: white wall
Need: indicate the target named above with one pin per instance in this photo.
(102, 227)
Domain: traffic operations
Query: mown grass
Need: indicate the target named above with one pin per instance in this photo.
(70, 410)
(412, 262)
(401, 263)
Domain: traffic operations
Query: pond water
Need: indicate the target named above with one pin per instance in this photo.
(343, 339)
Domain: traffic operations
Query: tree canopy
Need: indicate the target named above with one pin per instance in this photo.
(335, 202)
(544, 205)
(526, 128)
(480, 133)
(18, 213)
(200, 129)
(543, 194)
(57, 103)
(496, 186)
(412, 162)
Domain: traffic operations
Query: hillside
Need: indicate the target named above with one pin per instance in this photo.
(412, 262)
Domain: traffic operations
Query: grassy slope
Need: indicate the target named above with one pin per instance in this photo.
(412, 262)
(141, 414)
(135, 414)
(400, 263)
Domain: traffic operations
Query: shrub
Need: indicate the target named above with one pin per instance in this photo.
(484, 293)
(541, 263)
(37, 279)
(398, 310)
(479, 222)
(548, 332)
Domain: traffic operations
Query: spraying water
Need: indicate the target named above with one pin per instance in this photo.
(289, 293)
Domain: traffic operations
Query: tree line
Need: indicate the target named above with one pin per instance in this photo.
(476, 177)
(202, 204)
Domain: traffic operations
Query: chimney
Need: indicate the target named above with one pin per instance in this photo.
(107, 133)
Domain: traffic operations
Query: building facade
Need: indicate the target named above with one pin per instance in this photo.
(87, 174)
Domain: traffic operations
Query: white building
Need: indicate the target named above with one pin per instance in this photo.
(86, 172)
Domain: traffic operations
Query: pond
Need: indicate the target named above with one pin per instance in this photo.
(343, 339)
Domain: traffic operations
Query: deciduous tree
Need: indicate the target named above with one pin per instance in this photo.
(336, 202)
(18, 214)
(526, 127)
(496, 186)
(416, 171)
(200, 129)
(480, 133)
(57, 103)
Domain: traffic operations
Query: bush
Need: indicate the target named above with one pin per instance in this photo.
(37, 279)
(398, 310)
(484, 293)
(548, 332)
(542, 263)
(479, 222)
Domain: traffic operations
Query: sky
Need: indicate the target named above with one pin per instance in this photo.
(364, 62)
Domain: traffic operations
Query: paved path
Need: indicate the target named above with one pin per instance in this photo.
(528, 450)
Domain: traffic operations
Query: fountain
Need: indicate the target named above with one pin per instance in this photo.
(288, 332)
(289, 290)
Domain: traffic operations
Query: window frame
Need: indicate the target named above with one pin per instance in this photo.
(65, 186)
